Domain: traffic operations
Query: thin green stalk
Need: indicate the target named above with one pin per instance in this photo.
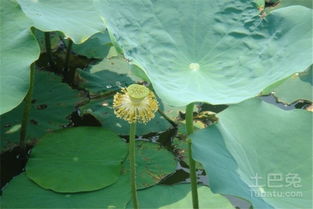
(132, 161)
(27, 107)
(48, 49)
(68, 53)
(192, 163)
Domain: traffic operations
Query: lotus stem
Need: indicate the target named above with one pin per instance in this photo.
(68, 53)
(192, 163)
(27, 107)
(132, 161)
(136, 103)
(48, 49)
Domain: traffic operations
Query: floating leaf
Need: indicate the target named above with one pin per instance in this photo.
(174, 113)
(23, 193)
(181, 147)
(112, 52)
(18, 50)
(109, 75)
(153, 163)
(97, 46)
(77, 159)
(204, 114)
(76, 19)
(103, 111)
(116, 64)
(52, 102)
(286, 3)
(297, 87)
(103, 82)
(217, 52)
(259, 152)
(179, 196)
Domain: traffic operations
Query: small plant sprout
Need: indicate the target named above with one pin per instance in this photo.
(135, 103)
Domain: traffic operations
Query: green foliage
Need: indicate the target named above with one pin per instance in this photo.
(102, 82)
(54, 39)
(297, 87)
(253, 140)
(23, 193)
(115, 63)
(103, 111)
(138, 72)
(52, 103)
(181, 147)
(286, 3)
(97, 46)
(76, 19)
(213, 52)
(179, 196)
(18, 50)
(153, 164)
(109, 75)
(173, 112)
(216, 52)
(88, 155)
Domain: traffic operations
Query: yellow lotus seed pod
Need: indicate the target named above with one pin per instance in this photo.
(135, 103)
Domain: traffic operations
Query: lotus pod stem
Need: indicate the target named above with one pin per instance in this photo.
(27, 107)
(132, 161)
(192, 163)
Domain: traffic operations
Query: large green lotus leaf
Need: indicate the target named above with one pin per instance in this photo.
(77, 19)
(20, 192)
(77, 159)
(18, 50)
(259, 152)
(296, 87)
(23, 193)
(153, 163)
(103, 111)
(213, 51)
(179, 196)
(97, 46)
(52, 103)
